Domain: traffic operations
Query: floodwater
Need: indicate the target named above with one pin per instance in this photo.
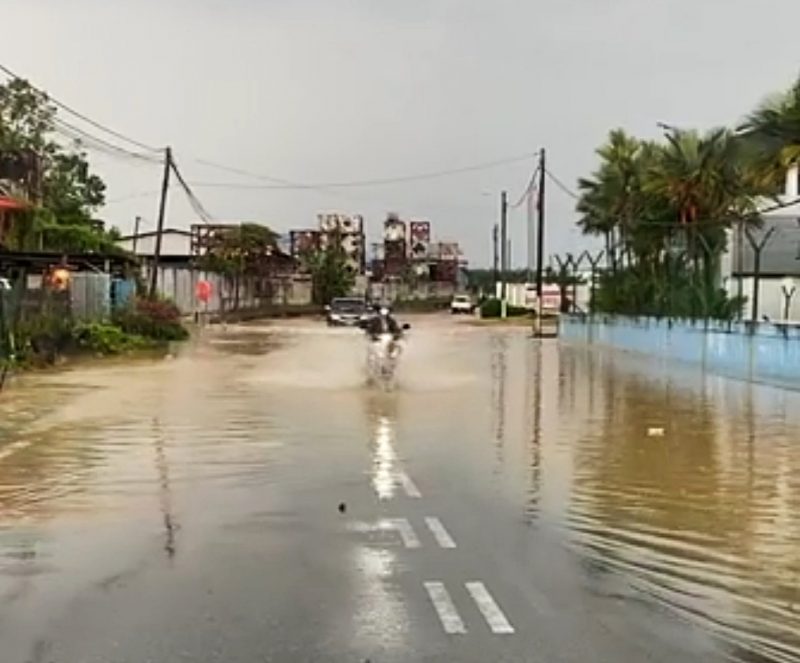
(678, 488)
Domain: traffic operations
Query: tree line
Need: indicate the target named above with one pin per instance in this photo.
(664, 208)
(55, 174)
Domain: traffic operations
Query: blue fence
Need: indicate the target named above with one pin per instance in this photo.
(763, 352)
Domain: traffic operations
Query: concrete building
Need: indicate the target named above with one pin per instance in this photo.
(779, 288)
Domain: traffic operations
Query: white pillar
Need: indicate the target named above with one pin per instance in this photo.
(792, 175)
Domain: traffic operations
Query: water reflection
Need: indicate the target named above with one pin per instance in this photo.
(706, 518)
(534, 399)
(382, 417)
(165, 490)
(499, 369)
(380, 617)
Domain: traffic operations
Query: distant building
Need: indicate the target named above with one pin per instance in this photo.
(345, 229)
(175, 244)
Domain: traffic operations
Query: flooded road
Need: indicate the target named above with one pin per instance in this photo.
(511, 500)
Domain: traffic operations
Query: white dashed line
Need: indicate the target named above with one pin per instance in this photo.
(405, 530)
(448, 615)
(441, 535)
(488, 606)
(408, 485)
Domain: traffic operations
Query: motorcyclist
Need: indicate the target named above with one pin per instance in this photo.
(382, 322)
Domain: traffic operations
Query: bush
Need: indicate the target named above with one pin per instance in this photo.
(106, 339)
(39, 340)
(421, 305)
(158, 319)
(492, 308)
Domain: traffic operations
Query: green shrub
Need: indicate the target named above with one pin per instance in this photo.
(103, 338)
(158, 319)
(41, 339)
(492, 308)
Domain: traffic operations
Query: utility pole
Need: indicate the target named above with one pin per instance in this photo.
(529, 213)
(503, 249)
(136, 223)
(162, 207)
(540, 230)
(496, 255)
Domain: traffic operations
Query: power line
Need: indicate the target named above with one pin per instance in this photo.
(100, 144)
(131, 196)
(194, 201)
(80, 115)
(561, 185)
(247, 173)
(528, 189)
(279, 183)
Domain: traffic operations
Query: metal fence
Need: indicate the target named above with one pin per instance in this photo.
(30, 314)
(90, 296)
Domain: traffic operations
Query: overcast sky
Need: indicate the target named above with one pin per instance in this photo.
(340, 90)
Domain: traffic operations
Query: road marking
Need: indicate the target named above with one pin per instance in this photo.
(488, 606)
(448, 615)
(441, 535)
(408, 485)
(403, 527)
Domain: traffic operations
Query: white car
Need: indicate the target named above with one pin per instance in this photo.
(5, 284)
(462, 304)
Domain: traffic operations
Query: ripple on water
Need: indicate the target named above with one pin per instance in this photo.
(706, 519)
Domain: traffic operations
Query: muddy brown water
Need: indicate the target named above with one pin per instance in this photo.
(684, 485)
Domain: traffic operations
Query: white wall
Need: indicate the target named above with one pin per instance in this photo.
(522, 294)
(771, 298)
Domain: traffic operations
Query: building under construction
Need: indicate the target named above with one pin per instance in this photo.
(408, 253)
(344, 230)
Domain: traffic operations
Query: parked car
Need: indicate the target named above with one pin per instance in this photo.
(462, 304)
(5, 284)
(347, 311)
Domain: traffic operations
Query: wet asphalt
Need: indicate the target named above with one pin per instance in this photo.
(253, 500)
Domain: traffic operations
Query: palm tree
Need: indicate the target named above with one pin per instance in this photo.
(610, 200)
(775, 125)
(709, 187)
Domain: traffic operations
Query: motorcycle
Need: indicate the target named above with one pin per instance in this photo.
(383, 354)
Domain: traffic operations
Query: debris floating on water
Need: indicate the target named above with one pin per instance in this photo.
(655, 431)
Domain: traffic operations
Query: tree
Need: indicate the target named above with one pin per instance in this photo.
(775, 127)
(245, 249)
(612, 199)
(330, 269)
(26, 118)
(67, 193)
(665, 208)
